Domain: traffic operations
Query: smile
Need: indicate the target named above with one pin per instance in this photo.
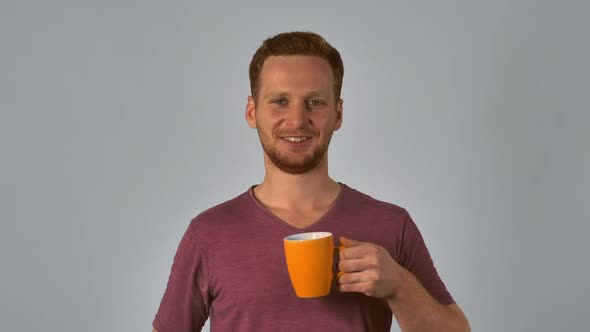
(295, 139)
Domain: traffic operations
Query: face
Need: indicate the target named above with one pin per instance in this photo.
(296, 112)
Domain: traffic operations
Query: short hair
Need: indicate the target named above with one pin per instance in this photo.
(296, 43)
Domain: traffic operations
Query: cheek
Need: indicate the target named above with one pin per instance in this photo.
(324, 120)
(270, 116)
(265, 119)
(267, 124)
(319, 117)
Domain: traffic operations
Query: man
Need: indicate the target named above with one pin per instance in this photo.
(230, 265)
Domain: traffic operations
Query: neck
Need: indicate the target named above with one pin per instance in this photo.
(309, 190)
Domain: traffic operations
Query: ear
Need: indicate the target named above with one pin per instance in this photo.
(338, 114)
(251, 112)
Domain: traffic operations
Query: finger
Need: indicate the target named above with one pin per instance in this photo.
(356, 265)
(360, 276)
(350, 265)
(349, 288)
(364, 288)
(360, 250)
(353, 278)
(349, 242)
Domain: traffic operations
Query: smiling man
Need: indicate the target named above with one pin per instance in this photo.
(295, 111)
(295, 106)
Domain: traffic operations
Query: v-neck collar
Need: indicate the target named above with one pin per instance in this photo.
(335, 205)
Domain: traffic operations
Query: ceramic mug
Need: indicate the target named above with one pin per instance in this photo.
(310, 260)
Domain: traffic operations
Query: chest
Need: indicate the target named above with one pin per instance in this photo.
(252, 291)
(248, 272)
(299, 219)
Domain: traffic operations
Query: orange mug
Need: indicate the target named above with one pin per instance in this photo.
(310, 257)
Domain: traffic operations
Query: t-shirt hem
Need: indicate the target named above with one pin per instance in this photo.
(447, 303)
(159, 327)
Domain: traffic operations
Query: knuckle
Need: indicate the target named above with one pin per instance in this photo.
(344, 254)
(375, 275)
(372, 263)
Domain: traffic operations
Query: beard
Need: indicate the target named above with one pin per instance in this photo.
(294, 164)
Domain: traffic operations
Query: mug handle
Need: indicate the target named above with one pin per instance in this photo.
(340, 273)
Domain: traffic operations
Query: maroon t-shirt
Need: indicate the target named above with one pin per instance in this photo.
(230, 267)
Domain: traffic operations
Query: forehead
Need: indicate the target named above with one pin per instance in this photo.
(296, 72)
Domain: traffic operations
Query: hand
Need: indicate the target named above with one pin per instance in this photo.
(368, 269)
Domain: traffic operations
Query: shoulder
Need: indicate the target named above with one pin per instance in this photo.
(355, 199)
(223, 213)
(374, 220)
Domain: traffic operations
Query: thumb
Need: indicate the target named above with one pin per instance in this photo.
(349, 242)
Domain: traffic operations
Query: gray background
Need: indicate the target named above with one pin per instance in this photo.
(121, 120)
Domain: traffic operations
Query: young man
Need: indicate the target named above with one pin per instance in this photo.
(230, 265)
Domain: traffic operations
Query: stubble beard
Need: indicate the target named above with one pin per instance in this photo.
(289, 165)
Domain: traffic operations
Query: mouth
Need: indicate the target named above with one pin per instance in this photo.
(296, 139)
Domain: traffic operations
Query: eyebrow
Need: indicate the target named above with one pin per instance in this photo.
(272, 94)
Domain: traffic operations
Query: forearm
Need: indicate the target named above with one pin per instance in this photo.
(416, 310)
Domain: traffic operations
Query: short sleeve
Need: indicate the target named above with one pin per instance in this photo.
(185, 304)
(414, 257)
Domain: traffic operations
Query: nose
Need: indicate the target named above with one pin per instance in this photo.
(297, 115)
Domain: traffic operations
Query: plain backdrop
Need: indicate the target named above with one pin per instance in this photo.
(122, 120)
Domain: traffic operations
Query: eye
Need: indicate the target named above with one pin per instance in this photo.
(279, 101)
(315, 103)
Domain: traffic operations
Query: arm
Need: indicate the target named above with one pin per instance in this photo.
(416, 310)
(185, 304)
(369, 269)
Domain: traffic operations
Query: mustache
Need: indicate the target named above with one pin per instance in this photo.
(295, 133)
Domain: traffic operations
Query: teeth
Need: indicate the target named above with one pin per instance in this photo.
(295, 139)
